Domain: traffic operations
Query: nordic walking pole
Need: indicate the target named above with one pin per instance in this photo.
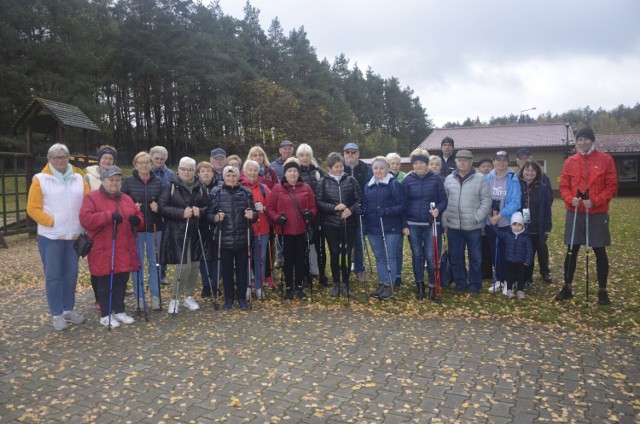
(366, 252)
(386, 255)
(216, 305)
(570, 246)
(182, 253)
(155, 243)
(436, 257)
(140, 276)
(249, 262)
(586, 217)
(281, 246)
(206, 267)
(344, 257)
(261, 268)
(308, 262)
(113, 258)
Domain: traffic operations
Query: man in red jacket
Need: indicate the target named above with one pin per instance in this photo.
(588, 182)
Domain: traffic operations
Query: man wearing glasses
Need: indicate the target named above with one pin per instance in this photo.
(362, 173)
(218, 160)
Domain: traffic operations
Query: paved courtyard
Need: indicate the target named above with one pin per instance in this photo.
(302, 364)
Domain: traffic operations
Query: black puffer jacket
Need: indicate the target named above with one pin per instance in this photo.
(145, 193)
(362, 173)
(311, 175)
(175, 197)
(331, 193)
(233, 201)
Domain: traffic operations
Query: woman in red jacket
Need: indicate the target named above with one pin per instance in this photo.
(292, 206)
(588, 182)
(103, 212)
(261, 194)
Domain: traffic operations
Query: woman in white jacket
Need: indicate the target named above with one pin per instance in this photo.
(54, 201)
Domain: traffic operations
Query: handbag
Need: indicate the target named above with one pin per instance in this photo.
(83, 244)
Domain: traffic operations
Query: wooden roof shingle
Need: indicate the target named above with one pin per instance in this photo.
(43, 115)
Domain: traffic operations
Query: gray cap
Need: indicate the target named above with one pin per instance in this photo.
(286, 143)
(110, 171)
(464, 154)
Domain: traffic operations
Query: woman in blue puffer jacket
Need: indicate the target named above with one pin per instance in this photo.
(422, 188)
(383, 210)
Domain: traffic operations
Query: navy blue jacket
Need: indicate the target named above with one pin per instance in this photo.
(418, 194)
(543, 206)
(384, 200)
(517, 249)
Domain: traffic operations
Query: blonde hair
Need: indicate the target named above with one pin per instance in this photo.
(234, 157)
(139, 155)
(306, 149)
(258, 149)
(420, 152)
(204, 164)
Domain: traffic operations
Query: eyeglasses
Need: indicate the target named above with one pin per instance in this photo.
(187, 169)
(59, 157)
(143, 162)
(350, 152)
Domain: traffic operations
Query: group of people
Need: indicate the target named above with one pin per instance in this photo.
(241, 220)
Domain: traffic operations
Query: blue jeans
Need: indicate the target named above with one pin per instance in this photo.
(358, 254)
(459, 240)
(421, 242)
(399, 257)
(378, 247)
(260, 244)
(60, 263)
(147, 249)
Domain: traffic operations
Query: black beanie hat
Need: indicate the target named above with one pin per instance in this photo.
(586, 132)
(292, 164)
(447, 140)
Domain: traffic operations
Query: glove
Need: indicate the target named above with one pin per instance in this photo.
(134, 220)
(281, 220)
(381, 212)
(117, 217)
(359, 210)
(307, 215)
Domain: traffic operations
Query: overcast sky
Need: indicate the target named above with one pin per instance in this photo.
(479, 58)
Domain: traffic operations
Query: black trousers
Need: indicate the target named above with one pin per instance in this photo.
(515, 273)
(540, 248)
(103, 284)
(239, 258)
(296, 259)
(335, 237)
(602, 265)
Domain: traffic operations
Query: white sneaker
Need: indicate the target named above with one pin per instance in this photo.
(114, 322)
(73, 317)
(59, 323)
(173, 306)
(155, 303)
(260, 294)
(504, 289)
(495, 287)
(248, 295)
(124, 318)
(509, 294)
(191, 304)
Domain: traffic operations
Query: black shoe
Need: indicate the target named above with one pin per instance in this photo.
(324, 281)
(432, 294)
(206, 292)
(335, 292)
(164, 281)
(603, 298)
(386, 293)
(377, 292)
(528, 285)
(547, 278)
(420, 290)
(289, 295)
(300, 294)
(345, 290)
(398, 282)
(564, 294)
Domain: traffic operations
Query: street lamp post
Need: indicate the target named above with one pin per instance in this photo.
(526, 110)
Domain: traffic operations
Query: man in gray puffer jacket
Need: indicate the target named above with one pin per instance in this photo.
(469, 204)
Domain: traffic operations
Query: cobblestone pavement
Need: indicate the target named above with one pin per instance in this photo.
(302, 364)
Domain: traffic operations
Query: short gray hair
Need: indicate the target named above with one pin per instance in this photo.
(159, 149)
(333, 158)
(249, 162)
(56, 148)
(187, 161)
